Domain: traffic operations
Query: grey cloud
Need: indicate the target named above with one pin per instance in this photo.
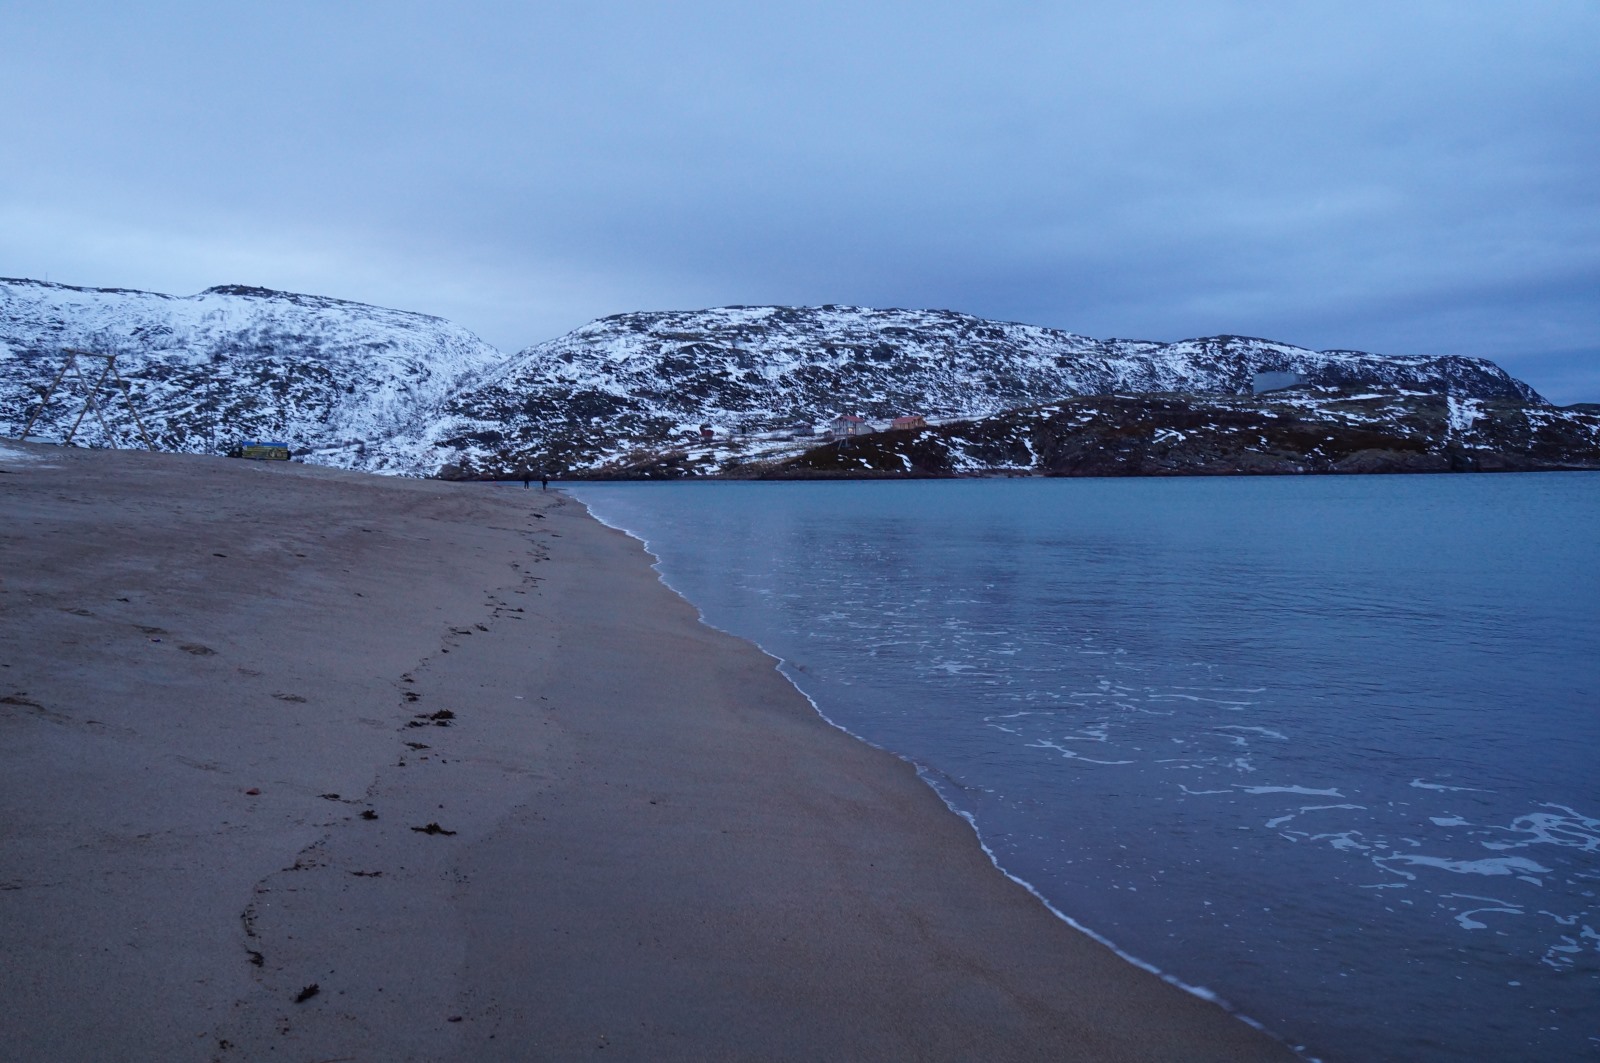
(1398, 177)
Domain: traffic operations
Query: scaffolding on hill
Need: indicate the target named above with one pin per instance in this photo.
(91, 395)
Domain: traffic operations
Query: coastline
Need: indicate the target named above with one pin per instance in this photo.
(779, 664)
(658, 846)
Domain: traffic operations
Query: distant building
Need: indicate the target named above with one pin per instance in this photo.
(1275, 382)
(909, 421)
(261, 451)
(847, 425)
(706, 434)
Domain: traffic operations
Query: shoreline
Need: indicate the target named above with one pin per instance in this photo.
(647, 838)
(1199, 992)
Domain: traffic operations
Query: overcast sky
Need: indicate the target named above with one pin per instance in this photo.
(1406, 177)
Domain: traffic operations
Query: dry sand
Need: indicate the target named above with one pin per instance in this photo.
(217, 688)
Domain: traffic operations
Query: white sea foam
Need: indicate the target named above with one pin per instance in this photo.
(1227, 690)
(1466, 922)
(1564, 956)
(1420, 785)
(1287, 790)
(1274, 823)
(1343, 840)
(1095, 732)
(1573, 829)
(1224, 702)
(1505, 865)
(1071, 755)
(1266, 732)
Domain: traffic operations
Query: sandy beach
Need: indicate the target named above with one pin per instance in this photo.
(311, 765)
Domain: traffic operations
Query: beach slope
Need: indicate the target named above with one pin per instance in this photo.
(309, 765)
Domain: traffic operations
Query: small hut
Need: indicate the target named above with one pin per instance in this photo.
(907, 422)
(264, 451)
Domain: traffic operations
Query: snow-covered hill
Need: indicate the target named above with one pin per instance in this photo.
(364, 387)
(630, 383)
(232, 363)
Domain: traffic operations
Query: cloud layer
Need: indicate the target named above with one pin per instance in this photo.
(1415, 178)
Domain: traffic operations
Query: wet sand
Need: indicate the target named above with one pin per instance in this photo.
(309, 765)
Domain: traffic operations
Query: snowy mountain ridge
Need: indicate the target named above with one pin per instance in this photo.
(636, 381)
(387, 390)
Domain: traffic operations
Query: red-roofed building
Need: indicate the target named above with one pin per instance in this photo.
(846, 425)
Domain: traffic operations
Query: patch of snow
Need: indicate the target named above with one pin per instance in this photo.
(15, 456)
(1464, 413)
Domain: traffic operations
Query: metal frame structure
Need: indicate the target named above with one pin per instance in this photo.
(92, 391)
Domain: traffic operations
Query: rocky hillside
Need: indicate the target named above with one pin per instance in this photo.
(1303, 430)
(351, 384)
(628, 385)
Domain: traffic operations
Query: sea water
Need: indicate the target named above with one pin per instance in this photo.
(1326, 748)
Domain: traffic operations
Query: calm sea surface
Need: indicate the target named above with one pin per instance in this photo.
(1327, 747)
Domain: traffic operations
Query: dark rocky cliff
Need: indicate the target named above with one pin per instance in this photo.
(1313, 430)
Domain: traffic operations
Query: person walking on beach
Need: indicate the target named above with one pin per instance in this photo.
(544, 481)
(525, 479)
